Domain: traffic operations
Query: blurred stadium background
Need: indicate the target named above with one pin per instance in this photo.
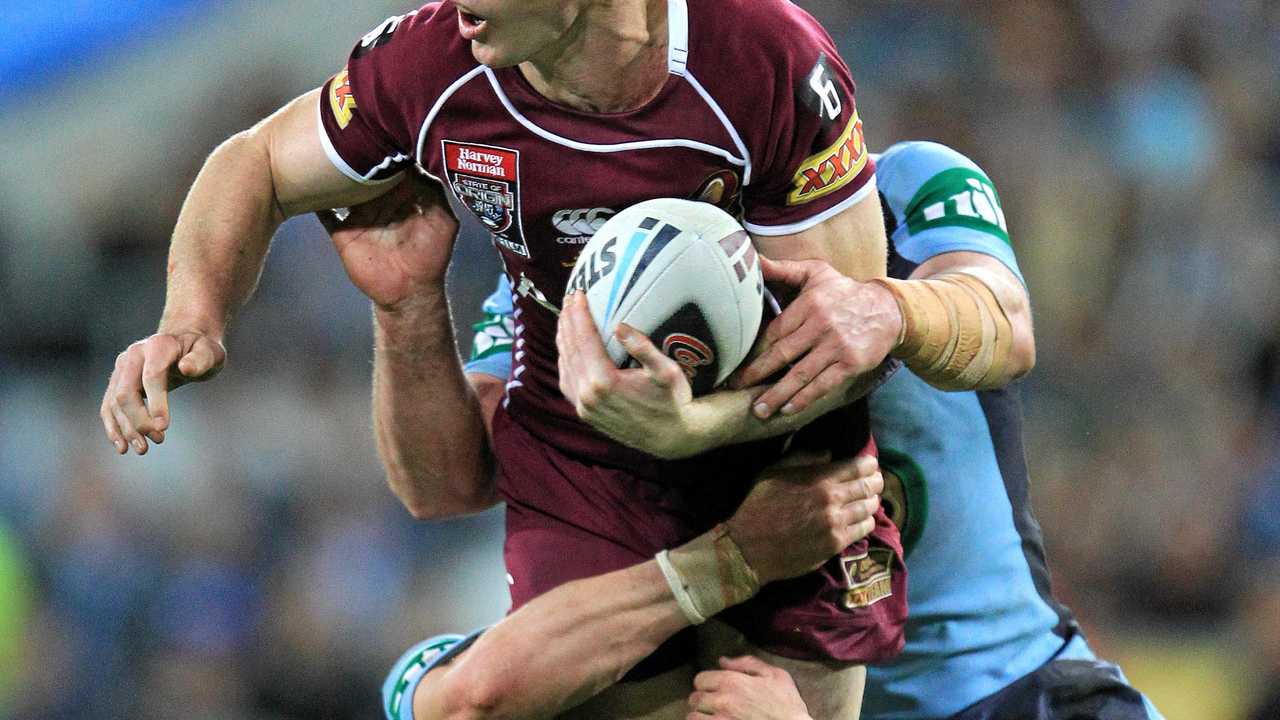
(255, 566)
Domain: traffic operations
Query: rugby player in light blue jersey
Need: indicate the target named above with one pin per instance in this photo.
(985, 638)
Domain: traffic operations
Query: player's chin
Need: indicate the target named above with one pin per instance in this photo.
(494, 56)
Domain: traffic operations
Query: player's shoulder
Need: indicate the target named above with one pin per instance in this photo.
(942, 201)
(752, 36)
(419, 45)
(905, 169)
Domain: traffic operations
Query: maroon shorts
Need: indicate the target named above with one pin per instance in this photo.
(568, 519)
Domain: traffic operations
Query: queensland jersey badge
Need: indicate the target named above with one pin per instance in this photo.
(869, 577)
(485, 179)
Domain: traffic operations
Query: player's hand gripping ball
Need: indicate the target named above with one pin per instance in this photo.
(675, 286)
(685, 275)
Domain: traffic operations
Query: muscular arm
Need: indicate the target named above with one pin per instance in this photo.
(1012, 297)
(246, 189)
(853, 242)
(557, 651)
(429, 423)
(578, 639)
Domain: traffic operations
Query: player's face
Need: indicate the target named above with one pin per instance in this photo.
(509, 32)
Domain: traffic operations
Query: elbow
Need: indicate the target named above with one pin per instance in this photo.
(1022, 352)
(446, 508)
(1023, 358)
(477, 494)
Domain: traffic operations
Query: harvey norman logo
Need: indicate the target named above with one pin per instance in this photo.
(486, 180)
(484, 163)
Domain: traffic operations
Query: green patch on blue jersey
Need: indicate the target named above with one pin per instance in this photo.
(493, 336)
(958, 197)
(911, 499)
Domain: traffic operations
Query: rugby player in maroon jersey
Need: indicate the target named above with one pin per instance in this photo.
(587, 104)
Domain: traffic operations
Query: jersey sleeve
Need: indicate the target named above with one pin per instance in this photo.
(413, 665)
(494, 335)
(365, 128)
(942, 202)
(814, 162)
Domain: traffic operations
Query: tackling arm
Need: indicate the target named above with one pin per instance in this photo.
(430, 423)
(854, 243)
(651, 408)
(580, 638)
(1002, 308)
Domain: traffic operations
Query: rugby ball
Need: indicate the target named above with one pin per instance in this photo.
(682, 272)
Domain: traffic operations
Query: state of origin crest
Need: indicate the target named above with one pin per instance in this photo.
(485, 179)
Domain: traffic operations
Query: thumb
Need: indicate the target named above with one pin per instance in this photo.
(745, 664)
(793, 273)
(202, 360)
(661, 368)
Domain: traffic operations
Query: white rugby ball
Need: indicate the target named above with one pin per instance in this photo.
(682, 272)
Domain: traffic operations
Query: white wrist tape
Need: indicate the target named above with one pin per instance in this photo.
(708, 574)
(678, 589)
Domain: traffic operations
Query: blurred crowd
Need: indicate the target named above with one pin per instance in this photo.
(255, 566)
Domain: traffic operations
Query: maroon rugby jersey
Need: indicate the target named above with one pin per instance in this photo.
(757, 115)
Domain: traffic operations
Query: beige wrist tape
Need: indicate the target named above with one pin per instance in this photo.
(954, 332)
(708, 574)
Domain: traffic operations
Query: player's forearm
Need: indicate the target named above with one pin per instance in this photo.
(221, 238)
(726, 417)
(1011, 297)
(966, 323)
(427, 420)
(560, 649)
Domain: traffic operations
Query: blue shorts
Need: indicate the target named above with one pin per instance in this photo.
(1066, 690)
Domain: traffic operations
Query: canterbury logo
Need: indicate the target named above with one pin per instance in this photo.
(689, 351)
(582, 222)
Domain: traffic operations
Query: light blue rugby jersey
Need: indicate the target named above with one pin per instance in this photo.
(981, 612)
(982, 615)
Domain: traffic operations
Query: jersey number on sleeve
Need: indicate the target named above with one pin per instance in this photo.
(826, 91)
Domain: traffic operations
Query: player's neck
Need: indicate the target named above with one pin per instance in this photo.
(613, 58)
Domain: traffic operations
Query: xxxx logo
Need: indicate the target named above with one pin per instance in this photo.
(831, 169)
(341, 101)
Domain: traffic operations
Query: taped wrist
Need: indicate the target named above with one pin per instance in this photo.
(954, 332)
(708, 574)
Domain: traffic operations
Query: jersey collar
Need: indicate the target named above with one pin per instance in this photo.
(677, 36)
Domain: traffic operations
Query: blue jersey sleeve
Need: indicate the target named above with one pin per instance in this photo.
(407, 673)
(494, 335)
(942, 202)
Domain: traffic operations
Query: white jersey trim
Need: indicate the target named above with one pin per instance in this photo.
(677, 37)
(728, 126)
(435, 109)
(614, 148)
(332, 153)
(825, 215)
